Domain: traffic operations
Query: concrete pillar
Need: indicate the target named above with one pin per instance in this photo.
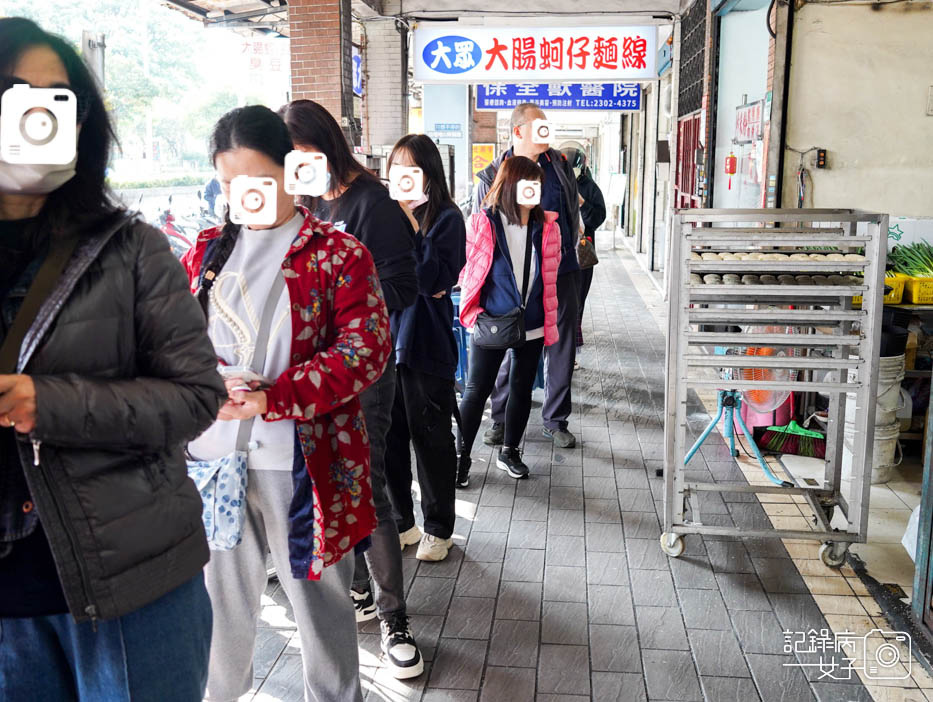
(321, 55)
(385, 85)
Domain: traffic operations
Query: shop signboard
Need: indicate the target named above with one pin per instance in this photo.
(445, 52)
(357, 72)
(483, 155)
(748, 122)
(617, 97)
(446, 130)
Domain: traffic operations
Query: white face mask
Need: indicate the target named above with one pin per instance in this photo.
(34, 179)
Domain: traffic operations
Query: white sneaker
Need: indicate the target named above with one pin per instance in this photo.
(410, 537)
(433, 548)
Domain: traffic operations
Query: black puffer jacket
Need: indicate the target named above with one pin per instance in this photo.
(125, 375)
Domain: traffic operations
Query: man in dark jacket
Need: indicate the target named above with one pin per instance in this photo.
(558, 194)
(593, 213)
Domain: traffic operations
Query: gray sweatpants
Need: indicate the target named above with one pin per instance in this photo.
(323, 611)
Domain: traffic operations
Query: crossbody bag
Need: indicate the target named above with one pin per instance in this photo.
(222, 481)
(505, 331)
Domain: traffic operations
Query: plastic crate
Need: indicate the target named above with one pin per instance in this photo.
(919, 291)
(898, 283)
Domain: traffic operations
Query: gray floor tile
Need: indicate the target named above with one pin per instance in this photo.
(614, 648)
(694, 572)
(729, 689)
(270, 643)
(514, 643)
(631, 479)
(610, 604)
(469, 618)
(729, 557)
(654, 588)
(448, 568)
(604, 538)
(530, 508)
(602, 511)
(519, 601)
(431, 695)
(599, 488)
(496, 495)
(478, 579)
(841, 692)
(485, 547)
(565, 522)
(489, 518)
(704, 609)
(566, 476)
(427, 631)
(641, 525)
(566, 497)
(661, 627)
(798, 612)
(562, 698)
(670, 675)
(527, 535)
(286, 681)
(646, 554)
(717, 653)
(564, 623)
(563, 669)
(513, 684)
(523, 564)
(780, 575)
(777, 682)
(636, 501)
(566, 551)
(619, 687)
(607, 569)
(758, 632)
(564, 584)
(742, 591)
(430, 595)
(539, 486)
(458, 664)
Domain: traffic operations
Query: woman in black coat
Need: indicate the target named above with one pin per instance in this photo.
(106, 372)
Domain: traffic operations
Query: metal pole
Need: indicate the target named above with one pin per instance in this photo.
(675, 162)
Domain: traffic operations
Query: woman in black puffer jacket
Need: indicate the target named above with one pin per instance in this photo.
(105, 379)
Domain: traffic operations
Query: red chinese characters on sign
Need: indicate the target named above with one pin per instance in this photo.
(523, 54)
(748, 123)
(530, 53)
(634, 52)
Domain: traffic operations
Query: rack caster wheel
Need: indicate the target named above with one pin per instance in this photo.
(672, 544)
(833, 553)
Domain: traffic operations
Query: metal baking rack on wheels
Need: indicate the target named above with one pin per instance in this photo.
(761, 305)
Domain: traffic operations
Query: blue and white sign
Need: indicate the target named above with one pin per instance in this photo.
(617, 97)
(357, 72)
(452, 55)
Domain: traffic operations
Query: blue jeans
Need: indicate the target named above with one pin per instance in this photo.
(158, 652)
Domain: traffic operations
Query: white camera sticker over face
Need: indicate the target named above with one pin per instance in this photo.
(253, 200)
(542, 131)
(38, 125)
(529, 192)
(306, 173)
(406, 183)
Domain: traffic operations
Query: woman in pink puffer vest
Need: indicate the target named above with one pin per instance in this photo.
(497, 241)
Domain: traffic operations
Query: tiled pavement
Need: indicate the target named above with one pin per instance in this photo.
(557, 588)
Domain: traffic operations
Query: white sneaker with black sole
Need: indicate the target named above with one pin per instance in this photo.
(364, 604)
(402, 657)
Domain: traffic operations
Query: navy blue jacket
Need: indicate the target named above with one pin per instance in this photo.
(500, 294)
(425, 339)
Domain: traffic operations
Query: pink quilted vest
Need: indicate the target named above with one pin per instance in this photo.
(480, 246)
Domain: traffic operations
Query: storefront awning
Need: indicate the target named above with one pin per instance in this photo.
(264, 16)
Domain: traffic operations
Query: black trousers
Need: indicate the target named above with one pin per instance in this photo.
(484, 365)
(558, 360)
(586, 280)
(422, 417)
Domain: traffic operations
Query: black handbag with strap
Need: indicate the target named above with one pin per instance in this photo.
(505, 331)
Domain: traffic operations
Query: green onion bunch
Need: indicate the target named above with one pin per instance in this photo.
(913, 259)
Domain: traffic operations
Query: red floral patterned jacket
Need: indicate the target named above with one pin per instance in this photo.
(340, 346)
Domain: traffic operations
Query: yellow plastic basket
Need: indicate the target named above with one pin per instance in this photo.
(919, 291)
(898, 283)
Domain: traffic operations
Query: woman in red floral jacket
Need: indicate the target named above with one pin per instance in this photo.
(308, 497)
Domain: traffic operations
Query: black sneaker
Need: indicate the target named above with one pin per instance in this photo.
(364, 604)
(494, 435)
(463, 470)
(401, 652)
(510, 460)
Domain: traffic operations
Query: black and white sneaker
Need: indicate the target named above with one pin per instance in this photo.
(364, 604)
(463, 470)
(510, 460)
(402, 656)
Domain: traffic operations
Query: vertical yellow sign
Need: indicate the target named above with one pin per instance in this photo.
(483, 154)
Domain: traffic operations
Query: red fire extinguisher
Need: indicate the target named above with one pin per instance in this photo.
(731, 165)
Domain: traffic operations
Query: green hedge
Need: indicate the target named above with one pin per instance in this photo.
(164, 183)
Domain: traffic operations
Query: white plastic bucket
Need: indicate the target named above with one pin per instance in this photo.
(887, 393)
(886, 447)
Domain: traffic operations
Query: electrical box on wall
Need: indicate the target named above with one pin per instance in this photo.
(821, 158)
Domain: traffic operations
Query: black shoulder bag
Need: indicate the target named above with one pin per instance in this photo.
(505, 331)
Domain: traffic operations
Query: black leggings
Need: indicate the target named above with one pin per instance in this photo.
(484, 365)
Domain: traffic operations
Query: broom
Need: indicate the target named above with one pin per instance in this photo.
(793, 439)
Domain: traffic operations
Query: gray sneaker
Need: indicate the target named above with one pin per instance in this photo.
(494, 435)
(562, 438)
